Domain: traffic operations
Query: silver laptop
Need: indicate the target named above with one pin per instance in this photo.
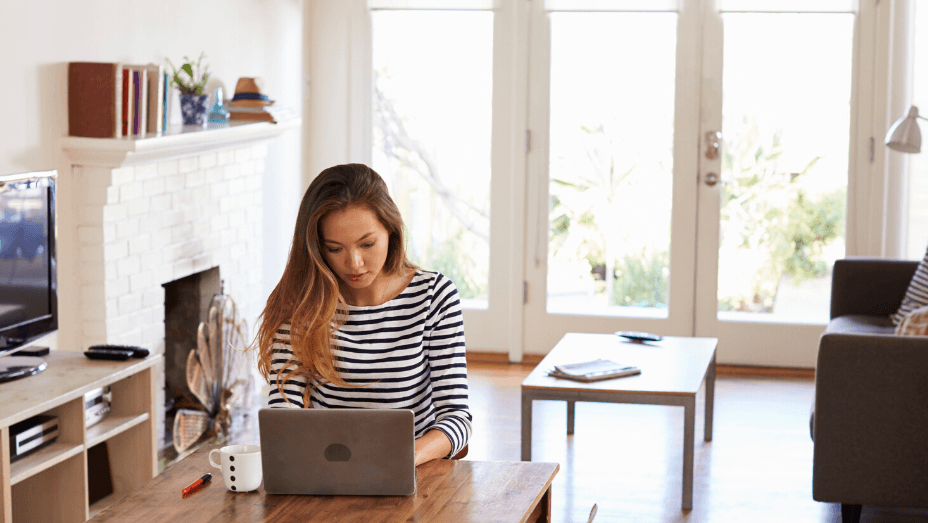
(359, 452)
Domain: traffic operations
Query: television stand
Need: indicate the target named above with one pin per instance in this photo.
(53, 485)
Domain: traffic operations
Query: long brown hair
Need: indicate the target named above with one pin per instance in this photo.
(307, 295)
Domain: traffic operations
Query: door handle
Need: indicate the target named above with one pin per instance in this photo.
(712, 179)
(713, 139)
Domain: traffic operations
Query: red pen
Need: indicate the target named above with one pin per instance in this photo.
(197, 485)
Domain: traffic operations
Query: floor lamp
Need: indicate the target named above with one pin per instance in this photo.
(904, 135)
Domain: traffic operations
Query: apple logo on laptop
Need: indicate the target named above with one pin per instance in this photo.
(337, 452)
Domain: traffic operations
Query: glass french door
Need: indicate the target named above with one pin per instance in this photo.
(612, 181)
(441, 71)
(773, 198)
(671, 166)
(690, 177)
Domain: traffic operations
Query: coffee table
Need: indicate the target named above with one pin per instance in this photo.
(672, 372)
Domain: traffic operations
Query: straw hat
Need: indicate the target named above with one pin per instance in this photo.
(248, 93)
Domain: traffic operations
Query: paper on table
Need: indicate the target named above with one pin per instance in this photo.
(585, 368)
(595, 370)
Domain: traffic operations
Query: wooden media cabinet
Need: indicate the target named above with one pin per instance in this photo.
(51, 484)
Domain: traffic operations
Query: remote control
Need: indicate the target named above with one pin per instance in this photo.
(136, 352)
(108, 354)
(639, 336)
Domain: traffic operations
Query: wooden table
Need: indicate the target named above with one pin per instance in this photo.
(672, 372)
(447, 490)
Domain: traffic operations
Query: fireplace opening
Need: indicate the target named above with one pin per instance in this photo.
(194, 417)
(186, 304)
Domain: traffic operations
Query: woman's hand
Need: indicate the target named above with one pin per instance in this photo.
(434, 444)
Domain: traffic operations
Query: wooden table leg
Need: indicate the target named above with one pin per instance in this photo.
(526, 426)
(710, 398)
(542, 511)
(570, 417)
(546, 504)
(689, 430)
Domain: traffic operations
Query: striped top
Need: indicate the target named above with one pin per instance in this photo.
(916, 295)
(409, 351)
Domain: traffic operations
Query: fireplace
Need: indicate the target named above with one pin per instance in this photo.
(141, 213)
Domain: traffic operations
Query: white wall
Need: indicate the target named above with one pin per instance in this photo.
(240, 38)
(337, 65)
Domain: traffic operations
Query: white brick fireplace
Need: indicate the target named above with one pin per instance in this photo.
(136, 214)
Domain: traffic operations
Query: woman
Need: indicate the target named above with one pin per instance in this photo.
(352, 323)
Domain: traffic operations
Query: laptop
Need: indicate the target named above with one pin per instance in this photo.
(356, 452)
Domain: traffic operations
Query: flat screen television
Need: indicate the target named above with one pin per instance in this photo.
(28, 279)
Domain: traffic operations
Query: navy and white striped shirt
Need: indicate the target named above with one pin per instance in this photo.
(409, 351)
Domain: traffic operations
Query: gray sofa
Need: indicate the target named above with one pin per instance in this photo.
(870, 417)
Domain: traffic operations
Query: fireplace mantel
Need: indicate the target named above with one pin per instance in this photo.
(143, 212)
(177, 142)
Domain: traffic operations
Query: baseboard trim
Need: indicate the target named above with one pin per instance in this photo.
(502, 358)
(753, 371)
(733, 371)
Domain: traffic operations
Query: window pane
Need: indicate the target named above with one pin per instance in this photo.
(786, 128)
(432, 123)
(611, 162)
(917, 230)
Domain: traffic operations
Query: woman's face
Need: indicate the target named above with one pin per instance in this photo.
(355, 245)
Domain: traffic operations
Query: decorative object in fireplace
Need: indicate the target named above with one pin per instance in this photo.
(218, 376)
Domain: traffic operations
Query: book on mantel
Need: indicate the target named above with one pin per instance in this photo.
(593, 370)
(95, 99)
(114, 100)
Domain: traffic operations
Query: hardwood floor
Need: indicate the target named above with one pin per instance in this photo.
(628, 459)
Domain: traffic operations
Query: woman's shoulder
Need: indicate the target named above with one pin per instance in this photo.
(434, 283)
(431, 279)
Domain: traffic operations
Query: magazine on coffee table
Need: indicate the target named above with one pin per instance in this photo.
(593, 370)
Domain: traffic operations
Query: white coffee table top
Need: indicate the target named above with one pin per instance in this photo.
(673, 365)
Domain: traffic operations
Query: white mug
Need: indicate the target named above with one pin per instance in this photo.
(240, 466)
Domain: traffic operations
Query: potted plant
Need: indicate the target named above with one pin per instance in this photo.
(190, 79)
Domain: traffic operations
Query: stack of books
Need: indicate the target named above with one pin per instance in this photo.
(267, 113)
(593, 370)
(114, 100)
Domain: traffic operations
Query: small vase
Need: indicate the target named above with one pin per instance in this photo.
(218, 112)
(193, 108)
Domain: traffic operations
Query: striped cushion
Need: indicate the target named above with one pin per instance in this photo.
(917, 294)
(915, 323)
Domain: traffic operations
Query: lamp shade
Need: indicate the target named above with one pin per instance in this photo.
(904, 135)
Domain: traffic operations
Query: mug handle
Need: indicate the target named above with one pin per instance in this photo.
(217, 465)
